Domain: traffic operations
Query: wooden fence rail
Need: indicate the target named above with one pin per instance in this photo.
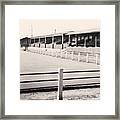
(75, 71)
(60, 78)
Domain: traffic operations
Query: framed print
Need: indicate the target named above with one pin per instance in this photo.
(59, 60)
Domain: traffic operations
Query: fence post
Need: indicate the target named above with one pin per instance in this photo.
(87, 57)
(96, 59)
(60, 84)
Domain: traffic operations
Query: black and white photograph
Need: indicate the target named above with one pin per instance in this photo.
(59, 59)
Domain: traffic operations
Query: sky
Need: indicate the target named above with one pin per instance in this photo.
(29, 27)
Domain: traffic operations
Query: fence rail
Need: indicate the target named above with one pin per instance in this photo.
(81, 56)
(65, 87)
(48, 80)
(75, 71)
(60, 80)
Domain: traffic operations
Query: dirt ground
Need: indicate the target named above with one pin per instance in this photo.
(78, 94)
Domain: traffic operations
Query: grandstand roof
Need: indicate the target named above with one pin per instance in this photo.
(69, 33)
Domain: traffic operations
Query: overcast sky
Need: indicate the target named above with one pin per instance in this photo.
(44, 27)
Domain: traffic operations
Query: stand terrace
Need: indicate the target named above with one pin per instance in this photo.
(88, 38)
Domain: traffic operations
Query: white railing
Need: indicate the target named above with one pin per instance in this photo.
(84, 56)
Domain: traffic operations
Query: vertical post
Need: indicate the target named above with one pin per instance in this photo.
(76, 41)
(45, 42)
(68, 40)
(79, 40)
(30, 43)
(96, 60)
(84, 41)
(78, 56)
(52, 41)
(90, 37)
(34, 42)
(87, 58)
(95, 41)
(60, 84)
(39, 41)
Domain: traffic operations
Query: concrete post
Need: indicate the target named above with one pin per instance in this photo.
(60, 84)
